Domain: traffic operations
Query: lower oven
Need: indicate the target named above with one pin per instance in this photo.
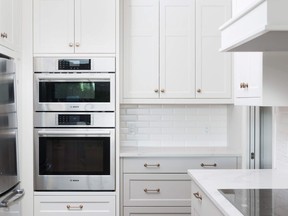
(74, 159)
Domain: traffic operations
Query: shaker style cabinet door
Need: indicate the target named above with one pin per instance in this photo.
(141, 49)
(213, 68)
(53, 26)
(7, 23)
(95, 22)
(177, 49)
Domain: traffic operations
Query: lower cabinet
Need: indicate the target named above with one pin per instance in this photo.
(201, 204)
(74, 205)
(158, 186)
(13, 210)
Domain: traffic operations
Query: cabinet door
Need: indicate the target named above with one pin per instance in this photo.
(177, 48)
(248, 69)
(95, 27)
(7, 23)
(53, 26)
(141, 49)
(157, 211)
(213, 69)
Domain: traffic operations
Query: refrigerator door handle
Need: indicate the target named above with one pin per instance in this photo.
(16, 194)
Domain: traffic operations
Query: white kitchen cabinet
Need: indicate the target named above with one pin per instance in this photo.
(71, 205)
(13, 210)
(201, 205)
(160, 185)
(261, 79)
(10, 23)
(167, 56)
(74, 26)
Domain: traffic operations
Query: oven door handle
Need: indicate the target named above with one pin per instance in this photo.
(72, 133)
(16, 193)
(73, 79)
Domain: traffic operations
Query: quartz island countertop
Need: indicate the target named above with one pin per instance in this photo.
(211, 180)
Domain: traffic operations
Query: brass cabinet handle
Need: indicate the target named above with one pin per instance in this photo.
(77, 44)
(198, 90)
(152, 190)
(80, 207)
(208, 165)
(156, 90)
(151, 165)
(197, 195)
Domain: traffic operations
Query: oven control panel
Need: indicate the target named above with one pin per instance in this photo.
(74, 64)
(74, 119)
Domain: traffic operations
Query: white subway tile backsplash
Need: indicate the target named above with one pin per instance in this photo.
(173, 125)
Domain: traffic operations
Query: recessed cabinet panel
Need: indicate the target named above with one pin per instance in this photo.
(213, 69)
(54, 26)
(157, 211)
(95, 26)
(141, 54)
(177, 49)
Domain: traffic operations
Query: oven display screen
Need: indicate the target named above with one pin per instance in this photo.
(74, 64)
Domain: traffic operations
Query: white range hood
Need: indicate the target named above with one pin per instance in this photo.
(261, 27)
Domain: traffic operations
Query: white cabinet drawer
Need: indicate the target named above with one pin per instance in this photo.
(71, 205)
(157, 190)
(176, 165)
(157, 211)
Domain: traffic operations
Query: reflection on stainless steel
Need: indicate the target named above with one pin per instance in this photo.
(12, 197)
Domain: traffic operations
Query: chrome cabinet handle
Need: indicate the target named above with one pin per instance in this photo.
(151, 165)
(197, 195)
(162, 90)
(152, 190)
(208, 165)
(156, 90)
(80, 207)
(77, 44)
(4, 35)
(244, 85)
(71, 44)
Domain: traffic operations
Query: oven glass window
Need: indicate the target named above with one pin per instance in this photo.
(74, 92)
(6, 92)
(8, 156)
(74, 156)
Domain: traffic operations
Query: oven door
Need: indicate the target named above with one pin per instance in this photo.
(74, 159)
(7, 93)
(74, 92)
(8, 160)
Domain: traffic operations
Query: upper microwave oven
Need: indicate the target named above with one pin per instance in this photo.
(74, 84)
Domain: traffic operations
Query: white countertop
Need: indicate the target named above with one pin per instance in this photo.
(177, 151)
(212, 180)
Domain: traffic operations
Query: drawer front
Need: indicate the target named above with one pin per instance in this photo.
(157, 211)
(65, 205)
(157, 190)
(176, 165)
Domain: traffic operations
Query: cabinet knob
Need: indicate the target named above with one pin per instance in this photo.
(77, 44)
(162, 90)
(3, 34)
(71, 44)
(198, 90)
(156, 90)
(246, 85)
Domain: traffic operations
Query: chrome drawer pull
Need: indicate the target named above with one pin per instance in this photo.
(152, 190)
(80, 207)
(151, 165)
(197, 195)
(208, 165)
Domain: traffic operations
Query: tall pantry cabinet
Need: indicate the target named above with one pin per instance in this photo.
(74, 26)
(171, 48)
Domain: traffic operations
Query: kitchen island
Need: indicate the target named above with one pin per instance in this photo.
(206, 185)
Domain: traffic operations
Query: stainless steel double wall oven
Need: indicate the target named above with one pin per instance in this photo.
(74, 124)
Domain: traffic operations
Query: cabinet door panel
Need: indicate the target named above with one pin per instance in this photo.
(177, 48)
(95, 27)
(141, 54)
(53, 26)
(7, 22)
(213, 69)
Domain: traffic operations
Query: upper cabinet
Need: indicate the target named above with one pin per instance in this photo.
(170, 51)
(260, 25)
(74, 26)
(10, 24)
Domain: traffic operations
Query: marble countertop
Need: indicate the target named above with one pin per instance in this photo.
(177, 151)
(211, 180)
